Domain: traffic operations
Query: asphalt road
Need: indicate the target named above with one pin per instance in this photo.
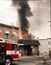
(31, 60)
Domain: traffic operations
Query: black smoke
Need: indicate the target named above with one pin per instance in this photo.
(24, 12)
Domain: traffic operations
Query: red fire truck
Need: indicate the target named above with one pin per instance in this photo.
(8, 52)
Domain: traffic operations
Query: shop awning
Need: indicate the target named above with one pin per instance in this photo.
(28, 42)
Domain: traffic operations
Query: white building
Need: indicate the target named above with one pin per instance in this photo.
(45, 45)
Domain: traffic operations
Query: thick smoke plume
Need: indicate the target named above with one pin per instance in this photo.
(24, 12)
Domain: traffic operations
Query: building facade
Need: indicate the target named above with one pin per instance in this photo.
(45, 45)
(9, 33)
(29, 47)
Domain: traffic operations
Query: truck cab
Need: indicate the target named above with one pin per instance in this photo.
(9, 52)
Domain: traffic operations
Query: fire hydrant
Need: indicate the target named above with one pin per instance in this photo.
(45, 57)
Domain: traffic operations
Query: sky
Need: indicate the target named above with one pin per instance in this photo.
(39, 25)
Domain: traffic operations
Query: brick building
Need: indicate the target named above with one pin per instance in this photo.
(14, 34)
(9, 33)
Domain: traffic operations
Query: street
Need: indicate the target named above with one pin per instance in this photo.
(31, 60)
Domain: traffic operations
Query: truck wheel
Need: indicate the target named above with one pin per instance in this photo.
(8, 62)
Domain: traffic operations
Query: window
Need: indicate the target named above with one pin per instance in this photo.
(14, 34)
(6, 36)
(3, 47)
(14, 47)
(13, 37)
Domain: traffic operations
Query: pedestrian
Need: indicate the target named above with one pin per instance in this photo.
(45, 57)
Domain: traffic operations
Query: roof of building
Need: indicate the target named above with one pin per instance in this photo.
(28, 42)
(1, 24)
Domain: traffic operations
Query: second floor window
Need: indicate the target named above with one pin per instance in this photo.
(13, 37)
(6, 36)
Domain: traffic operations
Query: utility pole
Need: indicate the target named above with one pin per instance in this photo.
(50, 28)
(49, 42)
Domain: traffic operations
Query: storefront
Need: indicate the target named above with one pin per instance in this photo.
(29, 47)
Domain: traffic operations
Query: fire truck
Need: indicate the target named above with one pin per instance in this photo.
(9, 52)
